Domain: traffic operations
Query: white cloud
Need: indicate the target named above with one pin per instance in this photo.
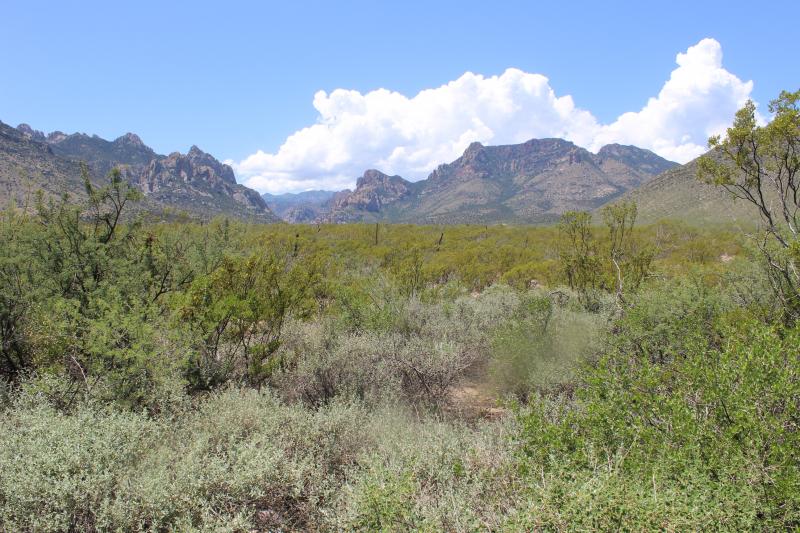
(411, 136)
(699, 100)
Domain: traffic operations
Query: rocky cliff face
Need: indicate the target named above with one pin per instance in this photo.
(197, 180)
(374, 192)
(196, 168)
(195, 183)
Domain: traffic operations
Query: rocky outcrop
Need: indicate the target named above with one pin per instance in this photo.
(198, 180)
(373, 193)
(30, 133)
(196, 168)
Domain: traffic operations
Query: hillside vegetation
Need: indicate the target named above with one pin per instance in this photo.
(678, 194)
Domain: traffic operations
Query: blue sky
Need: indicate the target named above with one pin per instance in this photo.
(237, 78)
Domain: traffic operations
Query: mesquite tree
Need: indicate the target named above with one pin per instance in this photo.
(760, 165)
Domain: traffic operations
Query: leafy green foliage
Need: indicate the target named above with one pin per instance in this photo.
(685, 401)
(760, 165)
(579, 256)
(540, 350)
(631, 260)
(592, 265)
(238, 311)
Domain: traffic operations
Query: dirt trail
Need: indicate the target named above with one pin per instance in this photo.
(472, 398)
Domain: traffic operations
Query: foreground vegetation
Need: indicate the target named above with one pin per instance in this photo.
(230, 377)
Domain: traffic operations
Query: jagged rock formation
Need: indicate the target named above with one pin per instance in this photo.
(374, 192)
(28, 165)
(195, 183)
(198, 180)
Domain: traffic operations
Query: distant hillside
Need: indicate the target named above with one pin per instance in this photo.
(28, 165)
(195, 183)
(678, 194)
(532, 182)
(299, 207)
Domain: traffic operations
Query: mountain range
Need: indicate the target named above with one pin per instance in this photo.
(298, 207)
(195, 183)
(532, 182)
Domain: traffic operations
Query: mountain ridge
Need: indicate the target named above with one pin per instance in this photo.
(304, 206)
(531, 182)
(195, 183)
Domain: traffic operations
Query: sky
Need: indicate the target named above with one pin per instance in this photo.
(304, 95)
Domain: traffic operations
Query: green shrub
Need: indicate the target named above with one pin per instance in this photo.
(241, 460)
(424, 474)
(700, 409)
(541, 349)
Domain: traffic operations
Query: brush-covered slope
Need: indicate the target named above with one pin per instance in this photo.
(28, 165)
(678, 194)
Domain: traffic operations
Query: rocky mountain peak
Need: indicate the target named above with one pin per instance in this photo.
(374, 190)
(371, 174)
(613, 149)
(199, 178)
(195, 151)
(30, 133)
(637, 158)
(376, 178)
(199, 157)
(196, 165)
(130, 139)
(473, 148)
(534, 181)
(56, 137)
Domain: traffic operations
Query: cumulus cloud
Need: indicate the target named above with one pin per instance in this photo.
(699, 100)
(411, 136)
